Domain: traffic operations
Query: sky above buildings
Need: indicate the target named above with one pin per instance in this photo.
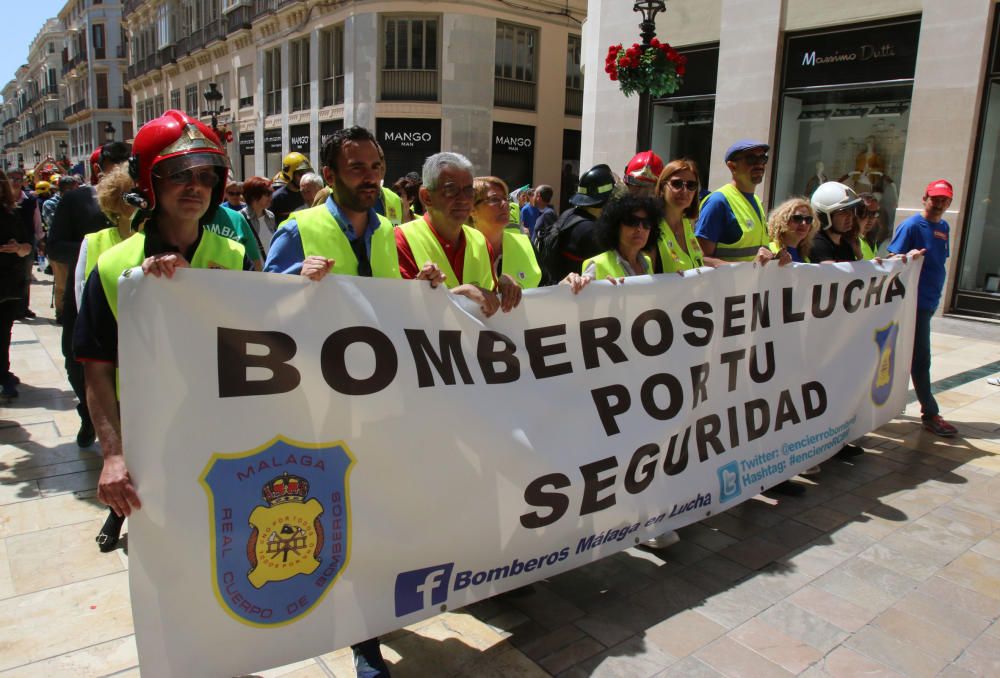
(18, 27)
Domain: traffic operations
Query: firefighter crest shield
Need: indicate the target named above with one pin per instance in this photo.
(885, 341)
(280, 527)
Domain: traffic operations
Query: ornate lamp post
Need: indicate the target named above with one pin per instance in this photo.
(37, 155)
(109, 133)
(648, 9)
(214, 98)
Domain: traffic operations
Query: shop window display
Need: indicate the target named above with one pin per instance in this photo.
(980, 268)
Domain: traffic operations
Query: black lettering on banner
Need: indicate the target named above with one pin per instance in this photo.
(676, 459)
(490, 356)
(733, 358)
(787, 312)
(875, 286)
(535, 495)
(697, 316)
(607, 410)
(333, 361)
(761, 376)
(734, 428)
(538, 352)
(675, 396)
(760, 315)
(633, 483)
(642, 345)
(811, 409)
(758, 416)
(896, 289)
(707, 433)
(850, 305)
(699, 383)
(733, 311)
(445, 362)
(819, 310)
(593, 484)
(590, 342)
(234, 360)
(786, 411)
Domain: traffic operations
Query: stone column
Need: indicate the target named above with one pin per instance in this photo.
(361, 63)
(467, 62)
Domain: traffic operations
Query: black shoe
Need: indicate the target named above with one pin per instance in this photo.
(107, 539)
(8, 388)
(86, 436)
(850, 451)
(29, 314)
(789, 489)
(368, 661)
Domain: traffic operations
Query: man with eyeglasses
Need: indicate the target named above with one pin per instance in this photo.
(180, 171)
(443, 237)
(732, 225)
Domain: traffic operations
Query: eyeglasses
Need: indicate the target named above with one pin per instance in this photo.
(451, 191)
(204, 177)
(678, 184)
(637, 222)
(755, 159)
(802, 218)
(492, 202)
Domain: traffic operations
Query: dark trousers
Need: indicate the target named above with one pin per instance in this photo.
(9, 310)
(74, 369)
(920, 368)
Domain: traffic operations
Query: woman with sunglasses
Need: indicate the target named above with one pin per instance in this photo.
(792, 226)
(627, 224)
(511, 253)
(839, 208)
(677, 248)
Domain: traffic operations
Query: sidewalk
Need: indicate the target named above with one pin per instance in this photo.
(887, 566)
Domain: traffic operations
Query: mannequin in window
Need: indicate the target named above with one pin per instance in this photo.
(816, 179)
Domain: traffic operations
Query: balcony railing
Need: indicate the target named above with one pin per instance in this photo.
(246, 102)
(514, 94)
(574, 101)
(239, 19)
(55, 126)
(261, 7)
(150, 62)
(409, 85)
(75, 108)
(72, 63)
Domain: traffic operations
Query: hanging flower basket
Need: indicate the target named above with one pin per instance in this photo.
(657, 69)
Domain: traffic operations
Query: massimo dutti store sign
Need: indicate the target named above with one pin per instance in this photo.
(877, 53)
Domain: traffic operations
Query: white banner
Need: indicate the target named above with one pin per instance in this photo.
(320, 463)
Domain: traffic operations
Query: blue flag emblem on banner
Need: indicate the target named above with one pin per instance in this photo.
(885, 340)
(280, 527)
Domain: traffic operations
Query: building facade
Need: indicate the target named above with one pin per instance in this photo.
(885, 97)
(33, 125)
(498, 83)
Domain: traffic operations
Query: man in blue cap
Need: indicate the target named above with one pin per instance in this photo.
(732, 226)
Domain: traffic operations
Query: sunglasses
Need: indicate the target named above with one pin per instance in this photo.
(678, 184)
(802, 218)
(204, 177)
(755, 159)
(638, 222)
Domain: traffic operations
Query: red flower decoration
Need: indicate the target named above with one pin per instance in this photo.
(656, 69)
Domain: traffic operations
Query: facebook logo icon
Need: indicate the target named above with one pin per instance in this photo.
(729, 482)
(419, 589)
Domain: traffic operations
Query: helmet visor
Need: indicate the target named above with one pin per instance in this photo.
(179, 163)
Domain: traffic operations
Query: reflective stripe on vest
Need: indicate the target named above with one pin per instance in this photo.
(754, 231)
(672, 257)
(519, 259)
(322, 236)
(607, 264)
(214, 251)
(476, 268)
(393, 206)
(98, 243)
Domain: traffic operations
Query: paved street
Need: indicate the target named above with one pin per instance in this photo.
(886, 566)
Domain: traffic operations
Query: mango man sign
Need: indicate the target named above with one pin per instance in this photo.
(320, 463)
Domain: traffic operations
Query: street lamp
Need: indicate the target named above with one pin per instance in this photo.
(648, 9)
(214, 98)
(109, 133)
(37, 155)
(62, 150)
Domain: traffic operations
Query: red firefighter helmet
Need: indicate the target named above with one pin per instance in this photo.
(643, 169)
(173, 143)
(95, 165)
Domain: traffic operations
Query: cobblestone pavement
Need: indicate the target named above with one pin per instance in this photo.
(886, 566)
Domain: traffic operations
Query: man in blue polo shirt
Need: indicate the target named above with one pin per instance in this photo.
(732, 225)
(927, 231)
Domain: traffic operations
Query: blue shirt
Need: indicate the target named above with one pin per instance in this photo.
(716, 221)
(917, 233)
(529, 214)
(286, 253)
(795, 254)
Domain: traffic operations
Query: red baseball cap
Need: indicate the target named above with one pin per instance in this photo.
(938, 188)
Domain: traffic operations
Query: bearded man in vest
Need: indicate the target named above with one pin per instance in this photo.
(442, 237)
(180, 172)
(732, 225)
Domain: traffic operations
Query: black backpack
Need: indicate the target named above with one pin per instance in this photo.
(546, 242)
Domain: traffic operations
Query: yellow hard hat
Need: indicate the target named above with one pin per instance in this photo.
(43, 188)
(294, 162)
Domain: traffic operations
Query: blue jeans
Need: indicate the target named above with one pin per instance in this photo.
(920, 368)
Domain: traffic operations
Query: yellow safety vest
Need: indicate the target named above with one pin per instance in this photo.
(867, 251)
(322, 236)
(672, 256)
(476, 268)
(393, 206)
(98, 243)
(515, 212)
(751, 224)
(607, 264)
(214, 251)
(519, 259)
(776, 247)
